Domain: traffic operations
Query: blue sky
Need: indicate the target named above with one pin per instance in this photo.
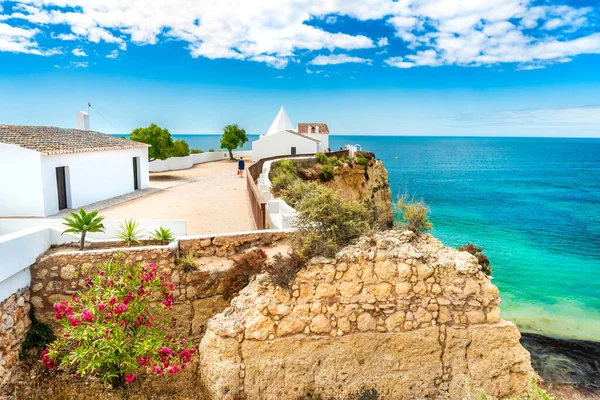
(409, 67)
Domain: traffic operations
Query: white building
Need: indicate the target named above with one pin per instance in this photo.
(47, 169)
(282, 139)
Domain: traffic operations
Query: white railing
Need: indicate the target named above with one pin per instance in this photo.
(177, 163)
(281, 215)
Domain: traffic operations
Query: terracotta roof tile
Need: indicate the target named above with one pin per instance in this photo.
(52, 140)
(304, 136)
(304, 127)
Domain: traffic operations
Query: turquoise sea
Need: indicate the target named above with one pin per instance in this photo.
(533, 204)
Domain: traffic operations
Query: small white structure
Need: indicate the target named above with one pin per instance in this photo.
(282, 139)
(47, 169)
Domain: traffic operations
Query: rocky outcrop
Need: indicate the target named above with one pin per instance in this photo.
(358, 182)
(401, 314)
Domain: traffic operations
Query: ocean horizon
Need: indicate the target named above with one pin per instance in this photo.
(532, 203)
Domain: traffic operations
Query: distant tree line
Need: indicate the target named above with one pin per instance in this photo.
(162, 145)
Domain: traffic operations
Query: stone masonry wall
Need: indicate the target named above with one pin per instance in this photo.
(14, 321)
(198, 294)
(227, 245)
(399, 313)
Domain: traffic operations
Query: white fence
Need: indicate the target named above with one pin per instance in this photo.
(281, 214)
(10, 225)
(19, 250)
(176, 163)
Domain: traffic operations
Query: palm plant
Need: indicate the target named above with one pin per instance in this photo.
(129, 232)
(162, 234)
(83, 223)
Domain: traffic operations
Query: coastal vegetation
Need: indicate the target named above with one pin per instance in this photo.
(162, 145)
(114, 329)
(415, 215)
(162, 234)
(129, 232)
(82, 223)
(196, 151)
(233, 137)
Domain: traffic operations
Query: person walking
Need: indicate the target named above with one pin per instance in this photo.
(241, 167)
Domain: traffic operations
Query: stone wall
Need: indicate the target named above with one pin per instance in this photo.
(14, 321)
(198, 294)
(402, 314)
(227, 245)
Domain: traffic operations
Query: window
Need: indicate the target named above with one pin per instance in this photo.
(293, 150)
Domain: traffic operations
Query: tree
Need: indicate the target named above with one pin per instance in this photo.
(82, 223)
(160, 140)
(180, 149)
(233, 137)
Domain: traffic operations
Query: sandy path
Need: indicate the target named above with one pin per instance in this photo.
(214, 200)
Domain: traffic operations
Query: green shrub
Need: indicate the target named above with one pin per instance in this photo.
(129, 232)
(481, 258)
(283, 269)
(282, 181)
(39, 335)
(116, 327)
(282, 166)
(321, 158)
(326, 173)
(415, 215)
(244, 267)
(327, 222)
(334, 162)
(294, 193)
(362, 160)
(180, 149)
(211, 150)
(83, 223)
(196, 151)
(188, 263)
(162, 234)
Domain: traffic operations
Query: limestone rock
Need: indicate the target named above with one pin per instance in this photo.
(396, 312)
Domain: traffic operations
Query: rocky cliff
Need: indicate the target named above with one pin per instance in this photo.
(358, 182)
(399, 314)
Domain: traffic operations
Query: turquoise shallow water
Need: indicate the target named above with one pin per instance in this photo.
(532, 204)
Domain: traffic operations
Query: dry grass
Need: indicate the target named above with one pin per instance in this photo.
(35, 382)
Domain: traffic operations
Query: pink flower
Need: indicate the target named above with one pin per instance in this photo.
(46, 360)
(144, 361)
(86, 315)
(74, 321)
(100, 272)
(122, 323)
(173, 370)
(168, 302)
(157, 369)
(130, 378)
(102, 306)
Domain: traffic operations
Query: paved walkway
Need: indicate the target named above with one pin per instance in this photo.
(210, 197)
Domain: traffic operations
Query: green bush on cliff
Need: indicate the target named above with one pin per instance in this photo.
(326, 173)
(321, 158)
(415, 215)
(326, 222)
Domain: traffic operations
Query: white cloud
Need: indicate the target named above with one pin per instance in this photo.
(113, 54)
(79, 53)
(80, 64)
(21, 40)
(436, 32)
(335, 59)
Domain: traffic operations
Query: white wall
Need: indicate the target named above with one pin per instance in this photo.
(177, 163)
(324, 138)
(280, 144)
(18, 251)
(8, 226)
(20, 182)
(92, 176)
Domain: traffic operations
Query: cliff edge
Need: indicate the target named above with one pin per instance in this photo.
(396, 313)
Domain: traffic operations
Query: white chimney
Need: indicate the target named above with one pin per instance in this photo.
(83, 120)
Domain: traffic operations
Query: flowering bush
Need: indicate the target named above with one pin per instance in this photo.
(115, 328)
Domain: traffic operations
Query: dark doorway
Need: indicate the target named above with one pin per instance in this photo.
(293, 150)
(61, 185)
(136, 168)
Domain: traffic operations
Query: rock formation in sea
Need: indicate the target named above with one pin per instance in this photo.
(396, 313)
